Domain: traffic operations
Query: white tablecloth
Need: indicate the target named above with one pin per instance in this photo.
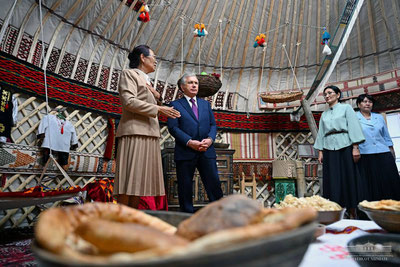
(330, 250)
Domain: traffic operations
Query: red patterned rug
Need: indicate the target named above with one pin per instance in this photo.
(27, 78)
(17, 253)
(15, 247)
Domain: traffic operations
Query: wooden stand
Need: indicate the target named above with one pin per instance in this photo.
(51, 158)
(248, 182)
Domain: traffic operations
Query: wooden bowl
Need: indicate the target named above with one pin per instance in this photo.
(330, 216)
(387, 219)
(281, 97)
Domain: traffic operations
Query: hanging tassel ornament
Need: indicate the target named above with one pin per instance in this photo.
(325, 40)
(144, 13)
(61, 124)
(260, 41)
(200, 30)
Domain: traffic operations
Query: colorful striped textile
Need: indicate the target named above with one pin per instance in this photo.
(311, 170)
(251, 146)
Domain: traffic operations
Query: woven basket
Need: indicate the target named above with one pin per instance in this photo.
(208, 85)
(281, 97)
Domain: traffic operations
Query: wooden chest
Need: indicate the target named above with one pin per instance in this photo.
(225, 171)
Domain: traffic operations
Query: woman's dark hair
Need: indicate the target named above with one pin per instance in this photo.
(335, 89)
(134, 56)
(361, 98)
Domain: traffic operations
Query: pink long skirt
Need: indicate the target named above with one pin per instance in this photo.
(139, 167)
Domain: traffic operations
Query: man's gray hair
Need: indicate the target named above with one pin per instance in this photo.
(182, 80)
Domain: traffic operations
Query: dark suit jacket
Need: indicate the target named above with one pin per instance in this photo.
(188, 127)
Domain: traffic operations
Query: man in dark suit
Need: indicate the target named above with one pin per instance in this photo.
(194, 134)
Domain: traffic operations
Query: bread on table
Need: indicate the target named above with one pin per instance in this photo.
(56, 229)
(229, 212)
(111, 233)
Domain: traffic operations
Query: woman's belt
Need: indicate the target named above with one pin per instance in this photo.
(338, 132)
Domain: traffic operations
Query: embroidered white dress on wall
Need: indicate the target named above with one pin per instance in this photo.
(59, 134)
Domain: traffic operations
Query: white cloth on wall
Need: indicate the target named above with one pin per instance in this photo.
(59, 134)
(3, 139)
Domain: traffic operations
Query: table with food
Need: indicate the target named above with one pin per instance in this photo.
(343, 242)
(234, 231)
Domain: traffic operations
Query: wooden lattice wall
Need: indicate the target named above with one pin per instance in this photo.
(91, 130)
(285, 146)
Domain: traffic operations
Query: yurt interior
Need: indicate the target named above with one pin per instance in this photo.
(266, 70)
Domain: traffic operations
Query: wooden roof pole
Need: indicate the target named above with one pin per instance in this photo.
(22, 29)
(222, 44)
(167, 32)
(307, 48)
(194, 40)
(339, 41)
(285, 34)
(217, 32)
(246, 46)
(262, 60)
(69, 35)
(228, 54)
(178, 49)
(388, 36)
(92, 25)
(108, 45)
(36, 35)
(291, 47)
(96, 46)
(298, 42)
(274, 44)
(56, 33)
(372, 33)
(310, 118)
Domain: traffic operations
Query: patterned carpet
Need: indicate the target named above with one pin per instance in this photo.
(15, 247)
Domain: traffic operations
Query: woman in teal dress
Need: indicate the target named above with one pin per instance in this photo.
(337, 142)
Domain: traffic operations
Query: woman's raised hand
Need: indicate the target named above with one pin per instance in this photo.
(170, 112)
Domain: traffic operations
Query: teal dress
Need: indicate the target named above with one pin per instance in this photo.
(339, 129)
